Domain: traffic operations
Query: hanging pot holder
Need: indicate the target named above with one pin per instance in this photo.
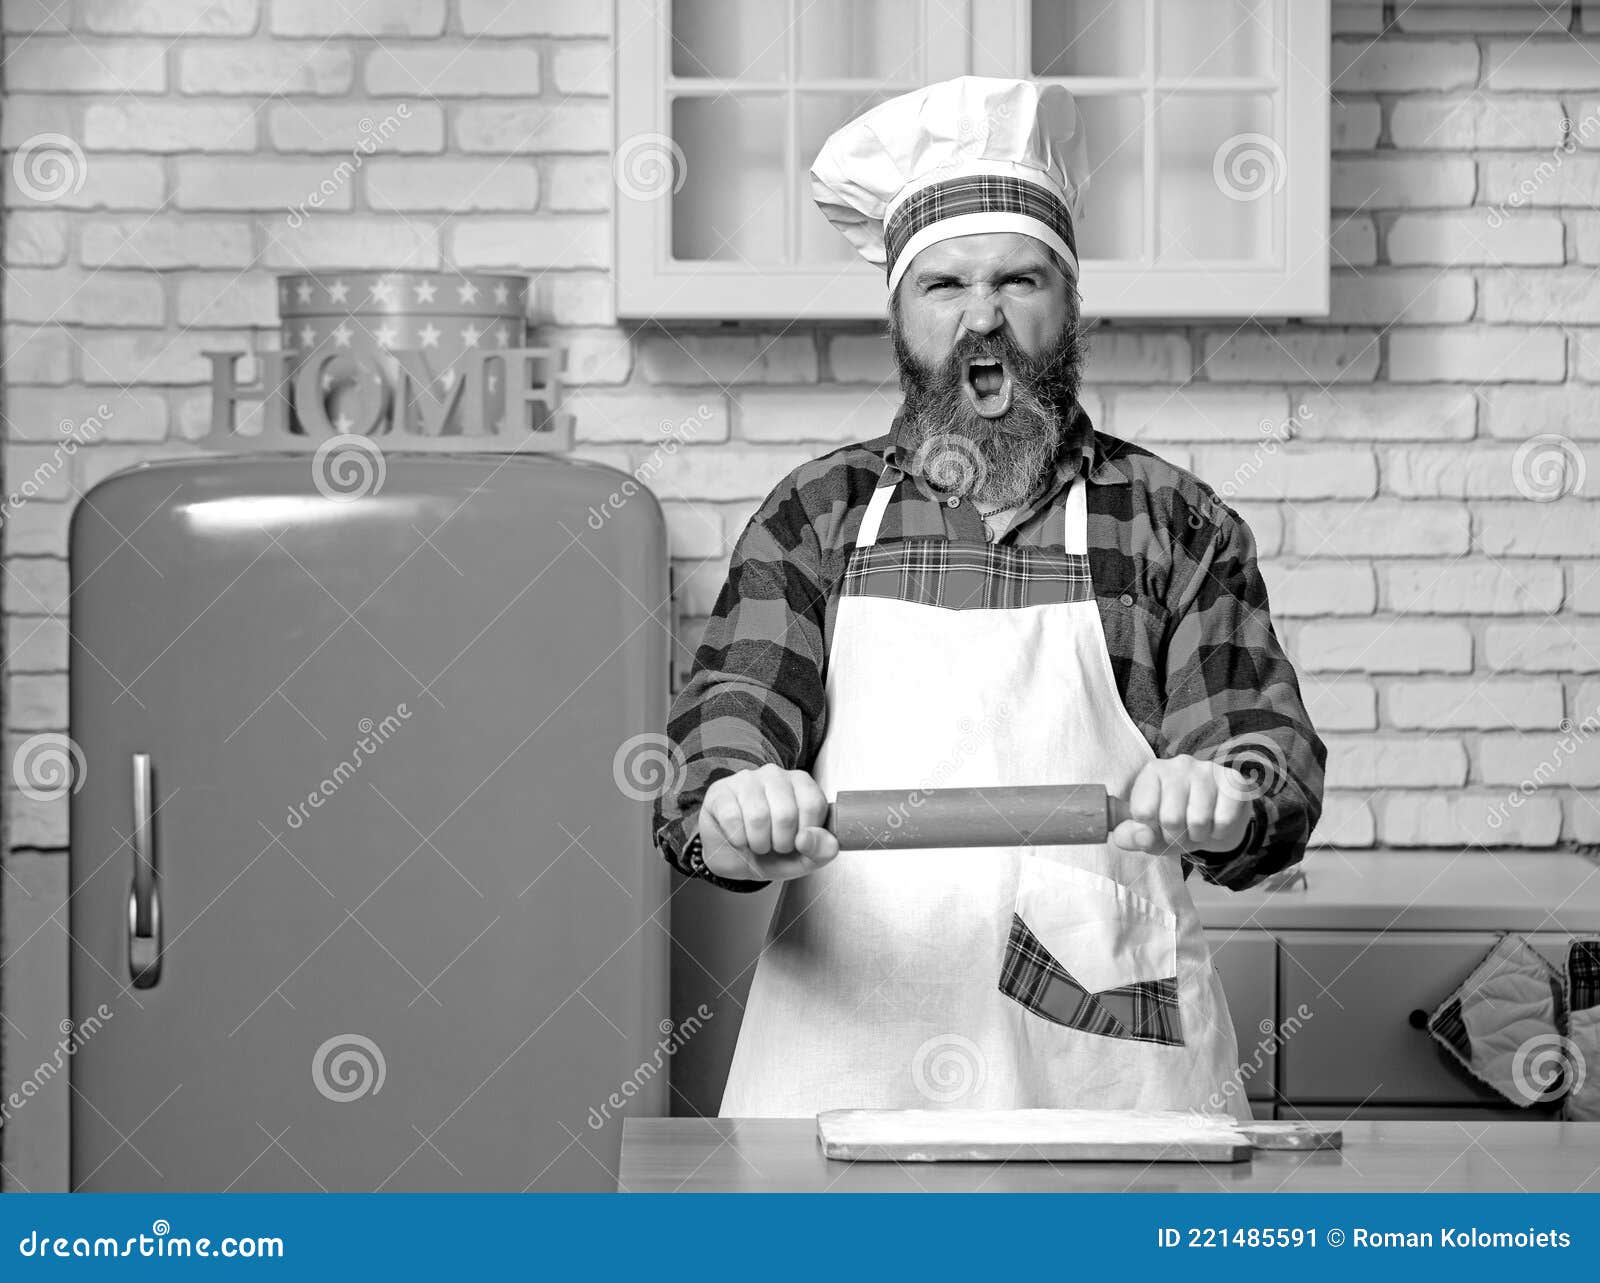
(1583, 1032)
(1504, 1023)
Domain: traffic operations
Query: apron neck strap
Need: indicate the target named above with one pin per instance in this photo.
(876, 506)
(1076, 535)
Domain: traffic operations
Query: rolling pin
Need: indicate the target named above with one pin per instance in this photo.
(1024, 815)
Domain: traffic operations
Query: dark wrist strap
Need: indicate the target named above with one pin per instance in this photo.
(694, 858)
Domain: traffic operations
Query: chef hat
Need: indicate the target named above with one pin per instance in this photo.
(969, 155)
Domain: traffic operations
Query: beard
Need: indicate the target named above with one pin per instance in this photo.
(998, 461)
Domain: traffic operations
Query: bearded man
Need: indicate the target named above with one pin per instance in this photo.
(993, 593)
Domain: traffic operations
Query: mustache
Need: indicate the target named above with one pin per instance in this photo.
(1053, 376)
(999, 346)
(1060, 357)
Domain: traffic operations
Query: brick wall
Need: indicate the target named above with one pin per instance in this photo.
(1446, 625)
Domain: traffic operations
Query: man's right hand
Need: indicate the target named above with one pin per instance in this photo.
(765, 824)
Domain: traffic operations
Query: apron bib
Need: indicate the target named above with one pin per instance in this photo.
(994, 977)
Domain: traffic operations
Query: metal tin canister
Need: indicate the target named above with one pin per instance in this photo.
(406, 342)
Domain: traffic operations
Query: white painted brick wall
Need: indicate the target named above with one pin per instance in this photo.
(1444, 624)
(1473, 703)
(1384, 646)
(1469, 122)
(1464, 238)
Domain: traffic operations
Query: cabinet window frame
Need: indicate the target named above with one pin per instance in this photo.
(1289, 277)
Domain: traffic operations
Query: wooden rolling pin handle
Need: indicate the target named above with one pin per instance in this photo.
(1116, 811)
(1027, 815)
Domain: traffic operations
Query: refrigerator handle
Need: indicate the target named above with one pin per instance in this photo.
(144, 897)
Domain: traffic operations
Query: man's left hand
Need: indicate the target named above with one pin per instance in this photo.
(1188, 802)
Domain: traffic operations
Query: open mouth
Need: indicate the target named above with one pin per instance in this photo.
(988, 386)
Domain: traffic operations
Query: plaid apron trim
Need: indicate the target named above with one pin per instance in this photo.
(1583, 975)
(967, 576)
(1143, 1012)
(976, 194)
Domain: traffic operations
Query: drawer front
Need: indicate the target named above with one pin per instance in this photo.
(1247, 963)
(1367, 998)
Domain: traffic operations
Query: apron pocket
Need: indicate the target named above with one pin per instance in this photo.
(1091, 954)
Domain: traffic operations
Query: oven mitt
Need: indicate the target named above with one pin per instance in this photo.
(1504, 1023)
(1583, 1032)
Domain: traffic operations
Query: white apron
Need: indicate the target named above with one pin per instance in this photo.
(995, 977)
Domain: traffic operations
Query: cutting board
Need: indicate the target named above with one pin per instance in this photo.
(1058, 1135)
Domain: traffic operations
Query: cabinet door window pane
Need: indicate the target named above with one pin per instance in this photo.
(1207, 38)
(1219, 171)
(748, 40)
(1088, 37)
(1113, 221)
(858, 39)
(731, 204)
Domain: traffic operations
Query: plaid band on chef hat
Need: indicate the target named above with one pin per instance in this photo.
(969, 155)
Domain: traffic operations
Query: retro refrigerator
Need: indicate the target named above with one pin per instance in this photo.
(362, 892)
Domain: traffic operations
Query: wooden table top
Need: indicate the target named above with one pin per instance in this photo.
(782, 1155)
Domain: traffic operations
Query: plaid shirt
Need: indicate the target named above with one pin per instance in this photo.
(1184, 610)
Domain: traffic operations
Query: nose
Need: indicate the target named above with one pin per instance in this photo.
(982, 317)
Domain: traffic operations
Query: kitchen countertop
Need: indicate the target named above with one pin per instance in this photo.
(782, 1155)
(1444, 890)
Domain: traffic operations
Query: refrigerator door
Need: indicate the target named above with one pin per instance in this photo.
(357, 900)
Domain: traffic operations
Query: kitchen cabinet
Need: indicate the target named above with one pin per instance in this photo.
(1364, 955)
(1207, 124)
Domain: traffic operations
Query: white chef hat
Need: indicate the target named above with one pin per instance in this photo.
(969, 155)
